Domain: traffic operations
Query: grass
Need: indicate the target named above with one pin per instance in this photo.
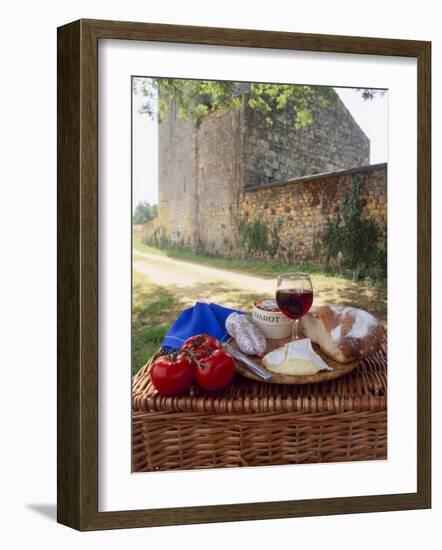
(252, 266)
(153, 309)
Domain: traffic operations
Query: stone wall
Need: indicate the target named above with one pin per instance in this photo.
(305, 205)
(218, 180)
(215, 176)
(147, 231)
(177, 198)
(280, 151)
(298, 210)
(200, 179)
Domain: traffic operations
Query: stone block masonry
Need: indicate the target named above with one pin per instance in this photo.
(298, 209)
(200, 179)
(303, 207)
(280, 151)
(233, 169)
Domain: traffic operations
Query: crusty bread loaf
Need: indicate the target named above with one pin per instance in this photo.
(344, 333)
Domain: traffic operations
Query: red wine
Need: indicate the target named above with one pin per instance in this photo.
(294, 302)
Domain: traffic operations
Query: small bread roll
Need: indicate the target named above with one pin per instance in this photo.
(344, 333)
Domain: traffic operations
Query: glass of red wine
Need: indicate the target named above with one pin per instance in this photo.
(294, 296)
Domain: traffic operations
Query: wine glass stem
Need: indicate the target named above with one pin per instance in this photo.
(295, 333)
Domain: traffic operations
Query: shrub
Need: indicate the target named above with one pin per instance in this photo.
(275, 239)
(254, 235)
(356, 238)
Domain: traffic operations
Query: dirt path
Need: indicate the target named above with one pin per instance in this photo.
(191, 282)
(167, 271)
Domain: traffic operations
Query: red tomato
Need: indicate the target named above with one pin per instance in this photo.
(172, 375)
(201, 345)
(216, 371)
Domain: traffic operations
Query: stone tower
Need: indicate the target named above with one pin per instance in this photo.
(204, 169)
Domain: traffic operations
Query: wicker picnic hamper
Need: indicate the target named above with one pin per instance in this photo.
(257, 424)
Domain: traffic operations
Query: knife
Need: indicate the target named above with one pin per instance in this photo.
(251, 365)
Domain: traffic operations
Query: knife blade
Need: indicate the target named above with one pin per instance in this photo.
(251, 365)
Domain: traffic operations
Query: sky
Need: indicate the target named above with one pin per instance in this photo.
(144, 154)
(371, 115)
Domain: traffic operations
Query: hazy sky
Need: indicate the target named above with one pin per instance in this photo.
(371, 115)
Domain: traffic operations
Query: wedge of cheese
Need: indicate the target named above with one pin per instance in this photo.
(295, 358)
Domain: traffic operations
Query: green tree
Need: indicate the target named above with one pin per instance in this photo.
(195, 98)
(144, 212)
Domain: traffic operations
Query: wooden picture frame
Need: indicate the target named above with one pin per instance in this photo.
(78, 274)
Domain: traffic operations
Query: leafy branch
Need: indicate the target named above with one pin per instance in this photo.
(195, 98)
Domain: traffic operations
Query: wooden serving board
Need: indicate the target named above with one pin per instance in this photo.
(339, 369)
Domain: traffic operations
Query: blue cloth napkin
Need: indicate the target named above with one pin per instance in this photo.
(199, 319)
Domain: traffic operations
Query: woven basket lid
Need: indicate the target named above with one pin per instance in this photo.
(364, 389)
